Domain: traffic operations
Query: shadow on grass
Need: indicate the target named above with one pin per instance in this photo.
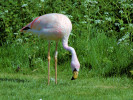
(13, 80)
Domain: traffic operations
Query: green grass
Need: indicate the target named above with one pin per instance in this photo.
(16, 86)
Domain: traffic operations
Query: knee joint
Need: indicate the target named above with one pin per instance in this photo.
(56, 53)
(48, 57)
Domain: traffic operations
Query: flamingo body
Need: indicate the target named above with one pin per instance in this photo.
(51, 26)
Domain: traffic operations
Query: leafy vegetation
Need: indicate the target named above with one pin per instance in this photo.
(101, 35)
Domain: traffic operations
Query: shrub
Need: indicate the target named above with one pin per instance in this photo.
(100, 35)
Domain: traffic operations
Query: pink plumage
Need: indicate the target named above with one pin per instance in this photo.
(54, 27)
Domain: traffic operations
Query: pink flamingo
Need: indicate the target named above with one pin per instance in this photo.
(54, 27)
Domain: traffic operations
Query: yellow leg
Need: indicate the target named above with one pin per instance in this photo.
(56, 53)
(48, 62)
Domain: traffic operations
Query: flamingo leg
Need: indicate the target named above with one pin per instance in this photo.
(56, 53)
(48, 62)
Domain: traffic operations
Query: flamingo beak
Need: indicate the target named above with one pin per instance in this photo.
(75, 75)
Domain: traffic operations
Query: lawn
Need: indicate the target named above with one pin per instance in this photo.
(16, 86)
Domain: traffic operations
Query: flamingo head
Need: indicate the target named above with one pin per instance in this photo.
(75, 74)
(75, 68)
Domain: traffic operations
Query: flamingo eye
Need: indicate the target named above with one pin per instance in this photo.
(26, 28)
(75, 70)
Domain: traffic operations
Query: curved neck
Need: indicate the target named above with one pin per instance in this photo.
(74, 62)
(72, 50)
(74, 56)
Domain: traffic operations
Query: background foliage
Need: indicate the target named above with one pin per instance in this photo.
(101, 35)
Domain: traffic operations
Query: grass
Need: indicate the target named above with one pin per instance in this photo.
(16, 86)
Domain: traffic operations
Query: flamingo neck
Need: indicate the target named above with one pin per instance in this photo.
(74, 56)
(74, 61)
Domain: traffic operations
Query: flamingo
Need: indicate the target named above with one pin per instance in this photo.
(54, 26)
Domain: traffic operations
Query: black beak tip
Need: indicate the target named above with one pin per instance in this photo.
(72, 78)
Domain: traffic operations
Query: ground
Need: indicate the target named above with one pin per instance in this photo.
(16, 86)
